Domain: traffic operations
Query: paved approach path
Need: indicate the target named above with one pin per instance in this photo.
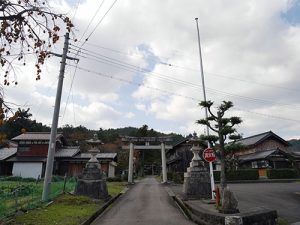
(147, 203)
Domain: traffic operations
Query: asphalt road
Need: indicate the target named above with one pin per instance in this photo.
(284, 197)
(145, 203)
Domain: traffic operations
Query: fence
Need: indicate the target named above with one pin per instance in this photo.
(22, 195)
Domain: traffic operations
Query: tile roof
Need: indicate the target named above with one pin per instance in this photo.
(256, 155)
(28, 159)
(259, 155)
(98, 156)
(35, 136)
(7, 152)
(255, 139)
(67, 152)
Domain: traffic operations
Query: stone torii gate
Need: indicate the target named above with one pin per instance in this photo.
(163, 147)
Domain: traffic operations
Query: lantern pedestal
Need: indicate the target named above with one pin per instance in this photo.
(197, 180)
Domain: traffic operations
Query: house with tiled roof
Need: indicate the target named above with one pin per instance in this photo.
(262, 151)
(29, 156)
(179, 156)
(5, 154)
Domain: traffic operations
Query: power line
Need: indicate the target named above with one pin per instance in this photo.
(134, 83)
(70, 89)
(231, 77)
(76, 9)
(133, 68)
(94, 16)
(168, 93)
(100, 21)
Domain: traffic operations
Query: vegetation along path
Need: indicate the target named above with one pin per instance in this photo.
(146, 202)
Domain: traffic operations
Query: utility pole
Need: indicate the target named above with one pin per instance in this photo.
(211, 172)
(52, 142)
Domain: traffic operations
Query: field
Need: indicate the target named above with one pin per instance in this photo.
(26, 194)
(66, 209)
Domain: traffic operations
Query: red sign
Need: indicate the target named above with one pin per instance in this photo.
(209, 155)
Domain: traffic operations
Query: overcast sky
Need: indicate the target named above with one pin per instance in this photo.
(141, 65)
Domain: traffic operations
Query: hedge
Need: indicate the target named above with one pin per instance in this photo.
(238, 175)
(242, 175)
(114, 179)
(282, 174)
(11, 178)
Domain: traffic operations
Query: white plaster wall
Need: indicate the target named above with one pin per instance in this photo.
(27, 169)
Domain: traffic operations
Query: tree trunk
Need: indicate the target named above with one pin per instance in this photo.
(223, 182)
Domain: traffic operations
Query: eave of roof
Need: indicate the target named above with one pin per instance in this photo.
(259, 155)
(27, 159)
(67, 152)
(6, 153)
(98, 156)
(42, 136)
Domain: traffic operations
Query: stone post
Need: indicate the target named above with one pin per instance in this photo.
(130, 164)
(163, 163)
(196, 180)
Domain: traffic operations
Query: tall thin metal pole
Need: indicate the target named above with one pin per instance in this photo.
(52, 142)
(211, 172)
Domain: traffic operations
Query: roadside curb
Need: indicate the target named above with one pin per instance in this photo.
(202, 216)
(179, 203)
(105, 206)
(262, 181)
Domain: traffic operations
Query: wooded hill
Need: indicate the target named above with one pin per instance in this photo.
(295, 145)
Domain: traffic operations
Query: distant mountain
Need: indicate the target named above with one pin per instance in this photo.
(112, 134)
(295, 145)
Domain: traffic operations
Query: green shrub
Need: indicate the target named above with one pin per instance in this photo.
(57, 178)
(251, 174)
(176, 177)
(72, 179)
(114, 179)
(238, 175)
(19, 179)
(170, 175)
(282, 174)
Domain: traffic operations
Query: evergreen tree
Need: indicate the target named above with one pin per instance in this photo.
(224, 128)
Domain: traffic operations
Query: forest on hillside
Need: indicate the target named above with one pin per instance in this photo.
(79, 135)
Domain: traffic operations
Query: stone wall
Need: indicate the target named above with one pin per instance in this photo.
(257, 216)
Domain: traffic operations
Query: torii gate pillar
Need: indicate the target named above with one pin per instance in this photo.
(163, 163)
(130, 164)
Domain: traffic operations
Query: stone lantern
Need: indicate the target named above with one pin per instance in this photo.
(196, 180)
(92, 181)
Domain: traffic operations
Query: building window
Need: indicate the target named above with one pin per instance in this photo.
(259, 164)
(24, 149)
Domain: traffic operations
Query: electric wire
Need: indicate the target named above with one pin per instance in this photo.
(231, 77)
(76, 9)
(168, 93)
(132, 68)
(69, 92)
(100, 21)
(92, 19)
(78, 51)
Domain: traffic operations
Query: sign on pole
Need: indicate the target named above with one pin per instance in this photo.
(209, 155)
